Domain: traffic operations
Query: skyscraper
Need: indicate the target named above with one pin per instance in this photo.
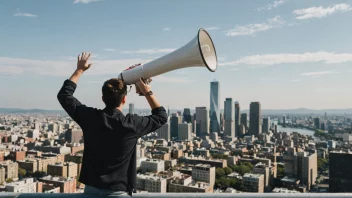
(202, 121)
(244, 120)
(317, 123)
(228, 110)
(185, 131)
(284, 120)
(222, 122)
(301, 165)
(174, 121)
(266, 124)
(255, 119)
(214, 107)
(340, 172)
(237, 117)
(164, 132)
(229, 118)
(187, 115)
(131, 108)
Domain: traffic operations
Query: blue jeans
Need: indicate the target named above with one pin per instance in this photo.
(103, 192)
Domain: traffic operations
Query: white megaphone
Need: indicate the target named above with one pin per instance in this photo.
(199, 52)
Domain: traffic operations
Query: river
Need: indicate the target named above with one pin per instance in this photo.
(289, 130)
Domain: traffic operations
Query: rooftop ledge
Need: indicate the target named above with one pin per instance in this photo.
(183, 195)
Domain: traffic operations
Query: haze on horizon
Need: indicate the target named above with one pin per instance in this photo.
(284, 54)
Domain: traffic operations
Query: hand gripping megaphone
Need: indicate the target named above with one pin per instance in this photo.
(199, 52)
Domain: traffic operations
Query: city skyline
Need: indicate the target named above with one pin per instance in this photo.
(287, 55)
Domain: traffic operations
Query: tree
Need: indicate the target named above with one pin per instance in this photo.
(219, 156)
(227, 170)
(234, 167)
(322, 164)
(22, 172)
(234, 183)
(280, 172)
(9, 180)
(243, 169)
(249, 165)
(219, 172)
(39, 174)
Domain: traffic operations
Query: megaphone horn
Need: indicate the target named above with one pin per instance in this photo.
(199, 52)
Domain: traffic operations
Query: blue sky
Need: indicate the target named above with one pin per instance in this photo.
(284, 53)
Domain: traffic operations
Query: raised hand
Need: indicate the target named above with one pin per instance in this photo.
(82, 62)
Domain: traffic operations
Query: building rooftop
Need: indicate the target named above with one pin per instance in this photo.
(284, 190)
(150, 177)
(184, 195)
(252, 175)
(203, 165)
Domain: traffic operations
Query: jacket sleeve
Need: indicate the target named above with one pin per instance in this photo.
(148, 124)
(74, 108)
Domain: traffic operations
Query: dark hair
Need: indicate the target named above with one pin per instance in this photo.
(113, 92)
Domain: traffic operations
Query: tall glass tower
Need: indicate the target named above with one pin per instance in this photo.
(255, 119)
(214, 106)
(229, 118)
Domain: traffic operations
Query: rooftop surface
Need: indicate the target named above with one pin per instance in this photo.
(184, 195)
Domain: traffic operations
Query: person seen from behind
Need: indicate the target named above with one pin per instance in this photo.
(110, 137)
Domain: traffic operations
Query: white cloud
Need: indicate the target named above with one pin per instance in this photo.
(160, 78)
(85, 1)
(23, 14)
(286, 58)
(212, 28)
(321, 12)
(268, 79)
(109, 50)
(64, 68)
(272, 5)
(15, 66)
(9, 70)
(150, 51)
(169, 79)
(166, 29)
(295, 80)
(258, 27)
(318, 74)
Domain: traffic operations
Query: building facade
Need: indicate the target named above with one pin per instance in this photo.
(131, 108)
(266, 125)
(202, 121)
(253, 183)
(25, 186)
(151, 183)
(229, 118)
(340, 172)
(255, 119)
(164, 132)
(214, 106)
(175, 120)
(204, 173)
(185, 131)
(244, 120)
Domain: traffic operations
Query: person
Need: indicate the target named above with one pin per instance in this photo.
(110, 137)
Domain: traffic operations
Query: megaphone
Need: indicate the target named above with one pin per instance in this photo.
(199, 52)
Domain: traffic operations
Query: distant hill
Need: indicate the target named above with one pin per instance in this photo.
(300, 111)
(17, 110)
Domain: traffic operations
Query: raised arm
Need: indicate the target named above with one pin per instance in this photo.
(74, 108)
(147, 124)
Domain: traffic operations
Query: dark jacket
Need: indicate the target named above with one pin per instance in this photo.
(110, 137)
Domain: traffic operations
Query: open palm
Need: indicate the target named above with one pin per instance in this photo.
(82, 62)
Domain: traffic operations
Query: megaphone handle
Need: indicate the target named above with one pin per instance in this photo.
(147, 82)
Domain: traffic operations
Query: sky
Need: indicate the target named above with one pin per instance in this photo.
(286, 54)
